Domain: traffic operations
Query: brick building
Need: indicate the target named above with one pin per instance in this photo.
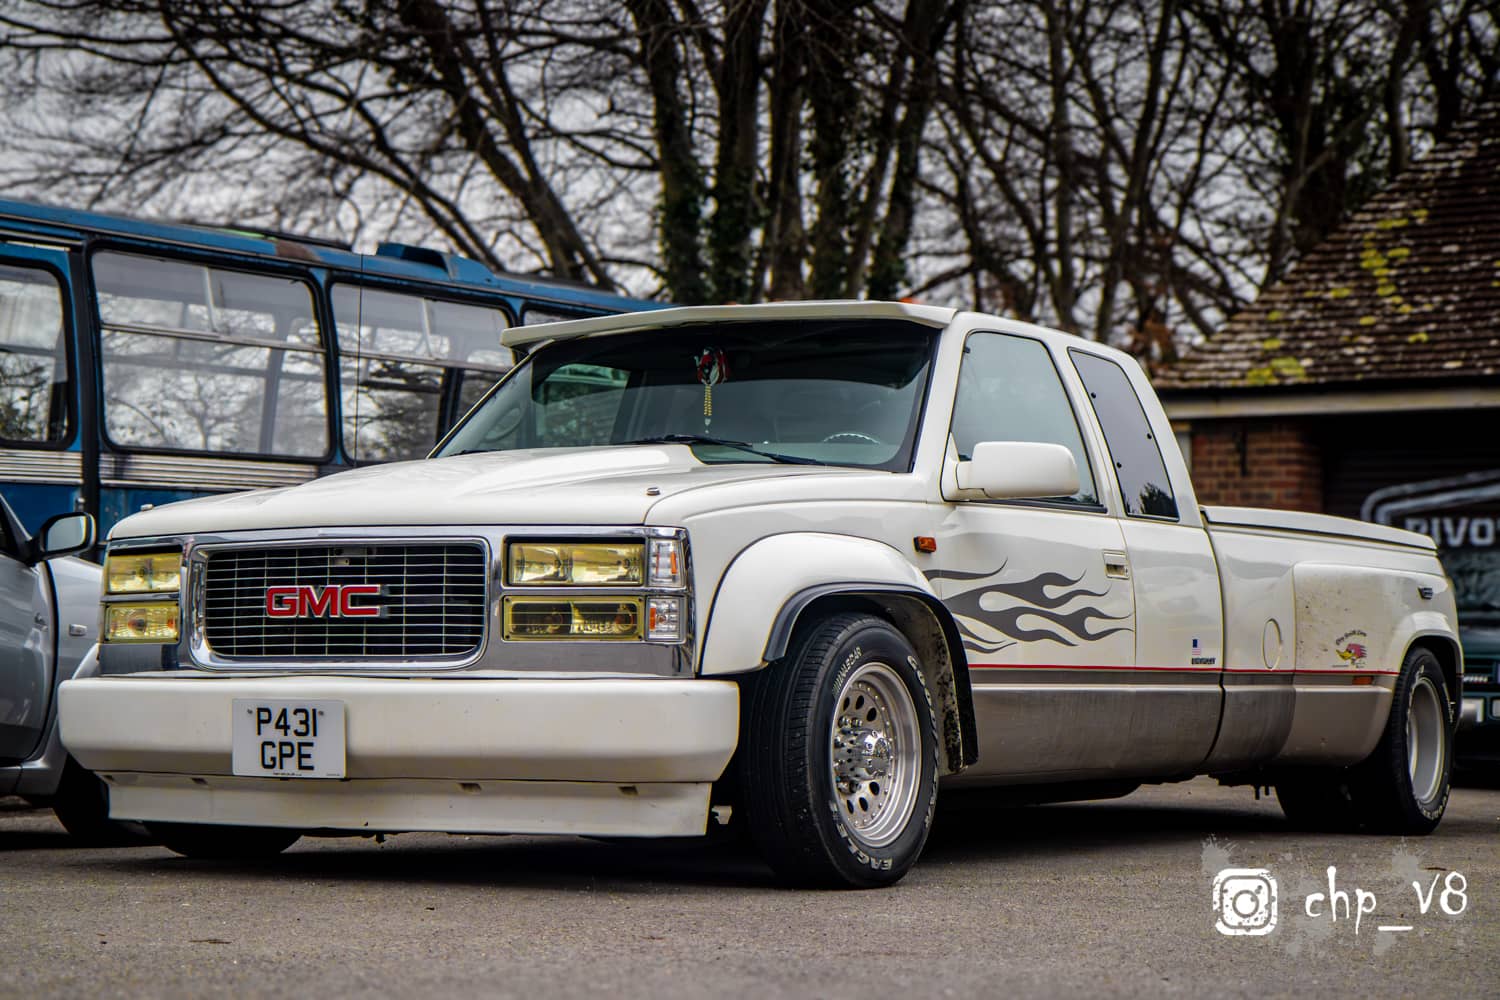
(1375, 362)
(1367, 382)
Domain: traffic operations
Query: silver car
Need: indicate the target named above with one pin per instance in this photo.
(48, 620)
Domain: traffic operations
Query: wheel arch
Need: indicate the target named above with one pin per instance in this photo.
(780, 582)
(1450, 657)
(926, 624)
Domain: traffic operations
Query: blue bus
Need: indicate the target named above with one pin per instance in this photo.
(142, 363)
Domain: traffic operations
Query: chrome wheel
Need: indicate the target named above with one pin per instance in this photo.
(875, 747)
(1426, 732)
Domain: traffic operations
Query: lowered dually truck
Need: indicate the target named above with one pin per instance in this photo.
(793, 566)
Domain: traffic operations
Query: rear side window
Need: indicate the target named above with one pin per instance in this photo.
(1137, 457)
(1009, 390)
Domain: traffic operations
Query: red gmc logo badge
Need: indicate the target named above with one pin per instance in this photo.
(332, 601)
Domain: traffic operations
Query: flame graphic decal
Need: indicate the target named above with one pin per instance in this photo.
(971, 608)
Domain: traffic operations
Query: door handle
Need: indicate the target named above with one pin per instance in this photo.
(1116, 565)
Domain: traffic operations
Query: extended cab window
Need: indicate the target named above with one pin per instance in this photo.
(1009, 390)
(201, 358)
(408, 365)
(33, 358)
(1138, 464)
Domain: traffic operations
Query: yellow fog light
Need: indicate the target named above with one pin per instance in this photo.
(586, 564)
(141, 622)
(148, 573)
(583, 618)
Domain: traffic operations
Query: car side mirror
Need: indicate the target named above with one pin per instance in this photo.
(63, 535)
(1012, 470)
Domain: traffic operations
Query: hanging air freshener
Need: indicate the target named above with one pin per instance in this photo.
(713, 368)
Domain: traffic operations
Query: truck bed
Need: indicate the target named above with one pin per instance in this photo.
(1315, 524)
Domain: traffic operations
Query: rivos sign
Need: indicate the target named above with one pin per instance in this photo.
(1462, 514)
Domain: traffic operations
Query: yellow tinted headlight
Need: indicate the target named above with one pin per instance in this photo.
(580, 618)
(155, 622)
(581, 564)
(148, 573)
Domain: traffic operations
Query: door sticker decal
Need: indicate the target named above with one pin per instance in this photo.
(989, 616)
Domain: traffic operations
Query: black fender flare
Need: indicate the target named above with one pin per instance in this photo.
(951, 684)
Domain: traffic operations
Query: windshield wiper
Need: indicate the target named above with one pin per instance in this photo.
(744, 446)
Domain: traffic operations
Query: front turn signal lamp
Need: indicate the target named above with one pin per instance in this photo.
(668, 566)
(154, 622)
(144, 573)
(664, 619)
(577, 564)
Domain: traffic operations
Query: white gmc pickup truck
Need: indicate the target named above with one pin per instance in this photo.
(793, 566)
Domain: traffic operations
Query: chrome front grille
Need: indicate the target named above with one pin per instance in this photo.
(430, 602)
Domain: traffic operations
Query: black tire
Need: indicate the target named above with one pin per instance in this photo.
(81, 804)
(1403, 786)
(815, 829)
(210, 842)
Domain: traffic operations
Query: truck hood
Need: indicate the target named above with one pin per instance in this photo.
(551, 486)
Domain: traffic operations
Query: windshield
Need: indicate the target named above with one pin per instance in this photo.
(832, 392)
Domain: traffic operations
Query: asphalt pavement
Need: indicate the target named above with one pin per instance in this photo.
(1091, 899)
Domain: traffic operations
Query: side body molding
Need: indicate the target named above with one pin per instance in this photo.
(773, 583)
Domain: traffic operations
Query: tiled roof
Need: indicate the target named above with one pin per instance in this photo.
(1408, 289)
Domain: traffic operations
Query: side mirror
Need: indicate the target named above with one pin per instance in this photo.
(1012, 470)
(63, 535)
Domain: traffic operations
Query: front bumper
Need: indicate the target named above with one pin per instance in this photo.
(623, 757)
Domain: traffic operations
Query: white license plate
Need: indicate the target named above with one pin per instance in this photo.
(288, 739)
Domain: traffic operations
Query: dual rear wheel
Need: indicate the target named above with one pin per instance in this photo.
(1402, 787)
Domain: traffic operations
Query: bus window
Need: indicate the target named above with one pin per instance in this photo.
(409, 366)
(200, 358)
(33, 358)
